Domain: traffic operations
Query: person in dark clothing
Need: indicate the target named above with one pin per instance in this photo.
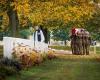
(73, 41)
(79, 43)
(39, 35)
(88, 41)
(73, 44)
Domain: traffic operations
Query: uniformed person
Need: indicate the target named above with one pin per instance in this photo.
(73, 44)
(83, 41)
(79, 44)
(88, 41)
(73, 41)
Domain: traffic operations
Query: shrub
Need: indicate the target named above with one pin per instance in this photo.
(26, 55)
(44, 56)
(30, 59)
(9, 67)
(24, 33)
(38, 59)
(51, 54)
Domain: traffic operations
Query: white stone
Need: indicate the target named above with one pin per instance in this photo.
(10, 43)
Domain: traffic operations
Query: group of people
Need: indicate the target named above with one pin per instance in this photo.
(80, 41)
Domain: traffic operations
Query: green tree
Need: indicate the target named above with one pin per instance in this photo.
(61, 34)
(93, 26)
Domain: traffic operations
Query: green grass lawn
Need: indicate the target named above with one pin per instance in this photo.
(68, 68)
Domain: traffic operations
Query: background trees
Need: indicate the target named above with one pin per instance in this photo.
(49, 13)
(61, 34)
(93, 25)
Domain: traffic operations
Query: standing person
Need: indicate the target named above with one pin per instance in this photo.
(79, 42)
(38, 35)
(74, 44)
(38, 38)
(88, 42)
(73, 40)
(83, 42)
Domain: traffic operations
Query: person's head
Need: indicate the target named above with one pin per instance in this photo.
(36, 27)
(87, 34)
(82, 30)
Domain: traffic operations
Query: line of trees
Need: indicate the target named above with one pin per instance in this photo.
(49, 13)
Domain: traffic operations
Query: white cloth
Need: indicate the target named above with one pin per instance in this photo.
(36, 38)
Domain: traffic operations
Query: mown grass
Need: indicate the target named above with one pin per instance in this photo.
(67, 68)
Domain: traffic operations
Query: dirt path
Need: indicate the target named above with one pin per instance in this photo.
(62, 51)
(66, 52)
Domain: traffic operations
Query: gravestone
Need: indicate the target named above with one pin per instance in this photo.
(10, 43)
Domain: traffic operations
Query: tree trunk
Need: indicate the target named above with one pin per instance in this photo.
(1, 18)
(13, 22)
(65, 42)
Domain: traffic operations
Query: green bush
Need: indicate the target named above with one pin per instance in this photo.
(9, 67)
(24, 33)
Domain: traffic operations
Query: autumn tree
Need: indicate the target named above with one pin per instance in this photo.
(12, 14)
(11, 8)
(49, 13)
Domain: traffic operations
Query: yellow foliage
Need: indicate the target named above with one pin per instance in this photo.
(40, 12)
(62, 10)
(5, 21)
